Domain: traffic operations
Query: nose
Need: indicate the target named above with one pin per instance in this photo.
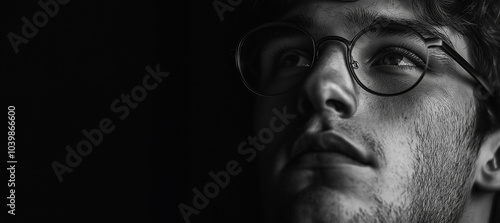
(329, 88)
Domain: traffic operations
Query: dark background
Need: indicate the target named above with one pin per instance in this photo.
(65, 78)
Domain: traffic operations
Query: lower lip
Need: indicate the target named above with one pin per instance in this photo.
(335, 170)
(325, 160)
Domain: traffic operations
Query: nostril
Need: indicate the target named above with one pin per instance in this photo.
(337, 105)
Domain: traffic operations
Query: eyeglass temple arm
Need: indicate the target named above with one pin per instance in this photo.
(436, 42)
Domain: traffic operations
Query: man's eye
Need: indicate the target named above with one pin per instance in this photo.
(396, 60)
(398, 57)
(293, 58)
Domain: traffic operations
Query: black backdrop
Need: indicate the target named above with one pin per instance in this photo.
(65, 79)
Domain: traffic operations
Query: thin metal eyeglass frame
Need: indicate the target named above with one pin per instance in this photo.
(439, 43)
(429, 43)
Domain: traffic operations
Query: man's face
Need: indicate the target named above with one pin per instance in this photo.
(352, 156)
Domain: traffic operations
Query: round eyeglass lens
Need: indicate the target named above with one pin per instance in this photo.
(273, 59)
(389, 60)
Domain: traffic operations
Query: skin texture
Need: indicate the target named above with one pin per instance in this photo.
(422, 141)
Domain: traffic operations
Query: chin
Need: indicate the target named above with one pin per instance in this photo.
(320, 204)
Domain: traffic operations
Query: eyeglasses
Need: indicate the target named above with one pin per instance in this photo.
(385, 60)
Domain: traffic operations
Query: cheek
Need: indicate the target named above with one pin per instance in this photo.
(390, 116)
(400, 121)
(435, 115)
(435, 96)
(392, 120)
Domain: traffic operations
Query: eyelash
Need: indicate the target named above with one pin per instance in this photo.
(402, 50)
(279, 50)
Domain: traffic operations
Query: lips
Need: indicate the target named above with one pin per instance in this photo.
(329, 148)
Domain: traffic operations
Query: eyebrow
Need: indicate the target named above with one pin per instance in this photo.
(362, 18)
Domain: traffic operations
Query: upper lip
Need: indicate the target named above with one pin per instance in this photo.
(331, 141)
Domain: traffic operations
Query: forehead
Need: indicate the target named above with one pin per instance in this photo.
(384, 7)
(345, 18)
(349, 17)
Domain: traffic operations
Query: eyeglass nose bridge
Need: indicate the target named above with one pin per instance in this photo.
(350, 62)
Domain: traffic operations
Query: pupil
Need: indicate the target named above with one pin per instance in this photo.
(392, 59)
(291, 60)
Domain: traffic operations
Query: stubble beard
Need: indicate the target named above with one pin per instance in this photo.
(443, 162)
(443, 158)
(444, 151)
